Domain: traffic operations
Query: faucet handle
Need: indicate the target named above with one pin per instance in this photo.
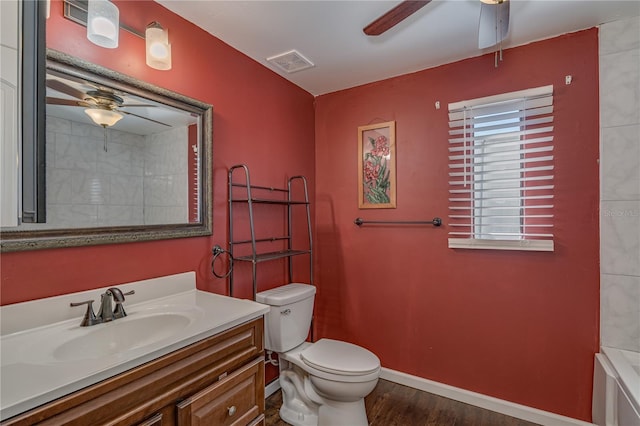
(118, 311)
(117, 294)
(89, 316)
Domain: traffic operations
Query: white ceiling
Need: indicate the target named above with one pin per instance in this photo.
(329, 33)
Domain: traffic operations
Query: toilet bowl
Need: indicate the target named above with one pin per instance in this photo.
(323, 383)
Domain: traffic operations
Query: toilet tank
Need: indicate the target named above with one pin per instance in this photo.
(288, 321)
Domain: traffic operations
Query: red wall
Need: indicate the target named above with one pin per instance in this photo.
(520, 326)
(256, 114)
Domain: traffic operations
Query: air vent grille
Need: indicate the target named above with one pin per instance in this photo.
(291, 61)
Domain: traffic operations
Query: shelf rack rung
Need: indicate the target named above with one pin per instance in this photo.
(263, 240)
(271, 255)
(266, 188)
(266, 201)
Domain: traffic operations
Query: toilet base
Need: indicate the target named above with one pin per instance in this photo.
(331, 413)
(336, 413)
(298, 417)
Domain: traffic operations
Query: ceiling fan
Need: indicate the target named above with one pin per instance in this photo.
(493, 28)
(103, 105)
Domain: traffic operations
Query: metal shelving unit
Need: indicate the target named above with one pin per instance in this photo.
(292, 202)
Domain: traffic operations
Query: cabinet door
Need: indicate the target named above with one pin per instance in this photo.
(237, 399)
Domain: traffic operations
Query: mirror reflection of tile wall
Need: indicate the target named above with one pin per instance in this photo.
(620, 184)
(139, 180)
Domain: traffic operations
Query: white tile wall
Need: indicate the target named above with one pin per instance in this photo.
(130, 184)
(620, 184)
(166, 184)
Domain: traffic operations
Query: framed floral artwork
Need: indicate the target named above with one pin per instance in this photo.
(377, 166)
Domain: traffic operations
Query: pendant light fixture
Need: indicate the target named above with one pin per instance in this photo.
(103, 117)
(103, 23)
(158, 47)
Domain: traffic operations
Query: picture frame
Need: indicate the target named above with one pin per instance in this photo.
(377, 166)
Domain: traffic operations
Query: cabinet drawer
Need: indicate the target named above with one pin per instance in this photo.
(237, 399)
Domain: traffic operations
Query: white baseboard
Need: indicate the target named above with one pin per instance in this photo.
(519, 411)
(271, 388)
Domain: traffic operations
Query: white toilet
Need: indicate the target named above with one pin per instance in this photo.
(323, 383)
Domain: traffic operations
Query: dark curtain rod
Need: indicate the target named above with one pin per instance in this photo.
(435, 222)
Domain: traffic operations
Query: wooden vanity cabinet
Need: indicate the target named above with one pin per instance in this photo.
(216, 381)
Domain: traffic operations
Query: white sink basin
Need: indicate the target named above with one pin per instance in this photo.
(123, 335)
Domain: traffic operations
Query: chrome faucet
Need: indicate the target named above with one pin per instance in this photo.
(107, 312)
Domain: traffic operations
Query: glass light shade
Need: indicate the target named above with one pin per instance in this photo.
(103, 117)
(103, 24)
(158, 47)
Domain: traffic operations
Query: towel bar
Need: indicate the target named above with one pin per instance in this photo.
(435, 222)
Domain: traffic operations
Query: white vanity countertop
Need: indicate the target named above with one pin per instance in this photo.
(37, 365)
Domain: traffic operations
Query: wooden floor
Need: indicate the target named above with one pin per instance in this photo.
(391, 404)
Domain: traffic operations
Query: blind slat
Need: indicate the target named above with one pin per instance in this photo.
(526, 197)
(503, 234)
(502, 225)
(518, 188)
(545, 206)
(498, 162)
(500, 107)
(506, 116)
(503, 153)
(506, 170)
(500, 126)
(531, 131)
(529, 216)
(503, 180)
(503, 143)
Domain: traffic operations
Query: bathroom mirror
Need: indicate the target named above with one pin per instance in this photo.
(117, 160)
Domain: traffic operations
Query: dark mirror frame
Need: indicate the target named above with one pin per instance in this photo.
(33, 123)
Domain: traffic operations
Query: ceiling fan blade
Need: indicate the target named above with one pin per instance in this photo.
(66, 89)
(67, 102)
(394, 16)
(144, 118)
(494, 24)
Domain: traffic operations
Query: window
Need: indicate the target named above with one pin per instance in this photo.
(501, 171)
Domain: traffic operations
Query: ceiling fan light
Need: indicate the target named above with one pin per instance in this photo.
(158, 47)
(103, 23)
(103, 117)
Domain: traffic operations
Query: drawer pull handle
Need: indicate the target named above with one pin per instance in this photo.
(231, 410)
(286, 312)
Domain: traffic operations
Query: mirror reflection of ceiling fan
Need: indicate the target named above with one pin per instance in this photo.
(102, 105)
(493, 26)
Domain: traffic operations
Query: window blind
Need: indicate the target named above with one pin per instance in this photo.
(501, 171)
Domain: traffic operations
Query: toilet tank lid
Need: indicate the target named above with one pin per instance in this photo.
(286, 294)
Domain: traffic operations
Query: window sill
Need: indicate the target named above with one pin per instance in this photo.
(522, 245)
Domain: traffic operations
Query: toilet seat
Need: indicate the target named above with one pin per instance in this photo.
(340, 358)
(294, 356)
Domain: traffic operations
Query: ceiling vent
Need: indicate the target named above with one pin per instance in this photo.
(291, 61)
